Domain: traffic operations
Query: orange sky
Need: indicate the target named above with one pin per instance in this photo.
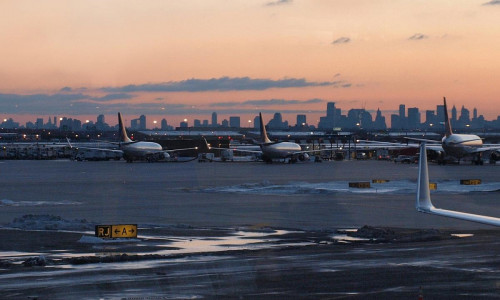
(371, 54)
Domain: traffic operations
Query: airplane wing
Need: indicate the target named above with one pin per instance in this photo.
(93, 148)
(435, 145)
(310, 151)
(238, 150)
(423, 140)
(424, 203)
(437, 148)
(180, 149)
(487, 148)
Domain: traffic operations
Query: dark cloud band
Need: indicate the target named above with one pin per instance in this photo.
(217, 84)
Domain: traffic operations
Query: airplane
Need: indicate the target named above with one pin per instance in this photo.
(453, 144)
(424, 203)
(275, 150)
(138, 150)
(459, 145)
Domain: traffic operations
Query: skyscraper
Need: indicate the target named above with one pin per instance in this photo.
(328, 122)
(256, 122)
(301, 120)
(453, 114)
(330, 110)
(413, 118)
(402, 117)
(439, 114)
(164, 125)
(214, 119)
(234, 122)
(430, 117)
(142, 122)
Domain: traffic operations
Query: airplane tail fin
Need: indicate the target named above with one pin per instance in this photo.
(263, 133)
(206, 144)
(447, 122)
(69, 143)
(123, 133)
(423, 203)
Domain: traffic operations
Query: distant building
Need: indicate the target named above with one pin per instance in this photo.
(402, 117)
(413, 120)
(379, 123)
(395, 123)
(134, 124)
(301, 120)
(214, 119)
(453, 114)
(39, 123)
(142, 122)
(277, 122)
(430, 117)
(329, 121)
(234, 122)
(256, 122)
(164, 125)
(439, 114)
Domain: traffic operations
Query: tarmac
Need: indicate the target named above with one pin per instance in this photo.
(189, 201)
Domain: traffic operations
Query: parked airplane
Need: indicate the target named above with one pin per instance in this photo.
(453, 144)
(459, 145)
(424, 203)
(275, 150)
(139, 150)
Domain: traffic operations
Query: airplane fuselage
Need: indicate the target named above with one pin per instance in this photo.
(461, 144)
(280, 150)
(143, 150)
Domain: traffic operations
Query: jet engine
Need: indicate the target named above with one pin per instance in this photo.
(303, 157)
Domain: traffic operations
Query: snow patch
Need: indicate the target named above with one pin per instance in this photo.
(391, 187)
(7, 202)
(49, 222)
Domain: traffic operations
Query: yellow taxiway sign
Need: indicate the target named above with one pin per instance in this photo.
(116, 231)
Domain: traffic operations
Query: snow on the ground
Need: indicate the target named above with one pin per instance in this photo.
(49, 222)
(8, 202)
(390, 187)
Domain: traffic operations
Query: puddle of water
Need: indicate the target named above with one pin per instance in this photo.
(462, 235)
(346, 238)
(17, 254)
(240, 240)
(168, 245)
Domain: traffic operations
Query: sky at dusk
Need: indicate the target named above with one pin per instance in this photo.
(186, 59)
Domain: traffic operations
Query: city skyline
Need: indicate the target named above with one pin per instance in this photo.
(405, 118)
(186, 59)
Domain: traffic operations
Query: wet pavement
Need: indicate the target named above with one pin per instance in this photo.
(246, 230)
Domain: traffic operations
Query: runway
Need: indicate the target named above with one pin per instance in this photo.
(291, 211)
(200, 194)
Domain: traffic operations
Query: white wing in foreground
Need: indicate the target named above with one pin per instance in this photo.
(424, 203)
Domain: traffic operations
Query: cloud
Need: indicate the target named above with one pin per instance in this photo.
(217, 84)
(60, 103)
(279, 2)
(493, 2)
(65, 89)
(109, 97)
(341, 40)
(266, 102)
(418, 36)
